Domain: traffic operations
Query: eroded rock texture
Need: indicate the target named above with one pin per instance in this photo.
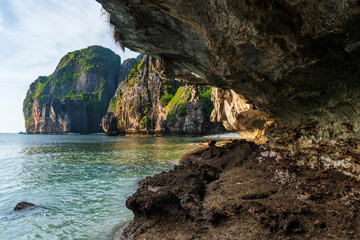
(146, 103)
(297, 61)
(237, 115)
(240, 191)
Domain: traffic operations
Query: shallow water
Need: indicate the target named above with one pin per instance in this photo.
(81, 181)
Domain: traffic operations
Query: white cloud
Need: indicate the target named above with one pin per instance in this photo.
(34, 36)
(1, 22)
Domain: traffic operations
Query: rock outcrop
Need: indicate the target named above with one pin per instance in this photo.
(75, 97)
(292, 64)
(145, 103)
(24, 205)
(237, 115)
(297, 61)
(127, 66)
(240, 191)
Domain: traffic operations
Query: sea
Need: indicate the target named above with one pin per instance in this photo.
(79, 182)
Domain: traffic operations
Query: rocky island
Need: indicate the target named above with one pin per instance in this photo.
(287, 72)
(75, 97)
(90, 92)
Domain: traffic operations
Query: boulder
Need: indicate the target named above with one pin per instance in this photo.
(24, 205)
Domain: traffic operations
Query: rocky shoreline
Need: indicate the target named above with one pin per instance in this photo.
(240, 190)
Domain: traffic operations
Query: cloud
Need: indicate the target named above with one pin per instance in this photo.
(1, 22)
(36, 34)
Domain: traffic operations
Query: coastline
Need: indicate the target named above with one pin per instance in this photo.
(240, 189)
(119, 230)
(82, 180)
(143, 134)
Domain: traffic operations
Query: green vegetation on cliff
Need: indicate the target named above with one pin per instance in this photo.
(169, 92)
(84, 79)
(205, 95)
(129, 67)
(178, 103)
(94, 59)
(146, 103)
(130, 80)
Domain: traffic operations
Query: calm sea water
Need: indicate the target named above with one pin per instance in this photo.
(82, 182)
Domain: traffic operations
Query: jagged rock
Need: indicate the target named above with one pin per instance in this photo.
(109, 122)
(75, 97)
(297, 61)
(210, 142)
(239, 191)
(24, 205)
(186, 113)
(145, 103)
(237, 115)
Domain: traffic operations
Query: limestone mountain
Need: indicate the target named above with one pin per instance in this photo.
(127, 66)
(75, 97)
(145, 103)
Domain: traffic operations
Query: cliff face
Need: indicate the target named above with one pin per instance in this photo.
(145, 103)
(288, 67)
(127, 66)
(297, 61)
(237, 115)
(75, 97)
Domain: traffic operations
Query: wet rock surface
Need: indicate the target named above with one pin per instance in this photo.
(244, 191)
(24, 205)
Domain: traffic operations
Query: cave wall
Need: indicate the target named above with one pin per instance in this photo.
(296, 61)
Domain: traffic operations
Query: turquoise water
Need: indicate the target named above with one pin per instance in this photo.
(81, 181)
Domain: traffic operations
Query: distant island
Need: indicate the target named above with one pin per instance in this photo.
(75, 97)
(91, 92)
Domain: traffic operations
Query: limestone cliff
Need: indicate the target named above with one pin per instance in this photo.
(75, 97)
(297, 61)
(127, 66)
(238, 115)
(145, 103)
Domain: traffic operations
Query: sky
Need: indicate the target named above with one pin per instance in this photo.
(34, 35)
